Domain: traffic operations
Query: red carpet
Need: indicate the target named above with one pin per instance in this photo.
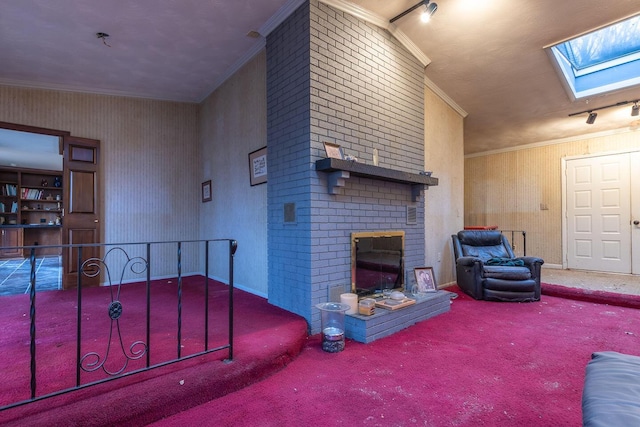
(482, 363)
(267, 338)
(601, 297)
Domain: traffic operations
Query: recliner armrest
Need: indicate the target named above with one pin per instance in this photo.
(531, 260)
(468, 260)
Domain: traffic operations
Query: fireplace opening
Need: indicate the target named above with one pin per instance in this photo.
(377, 262)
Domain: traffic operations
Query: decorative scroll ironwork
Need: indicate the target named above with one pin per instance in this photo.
(115, 309)
(92, 267)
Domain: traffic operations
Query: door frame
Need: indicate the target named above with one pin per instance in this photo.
(564, 219)
(62, 135)
(81, 226)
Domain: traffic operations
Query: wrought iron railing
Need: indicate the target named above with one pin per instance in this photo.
(115, 349)
(518, 245)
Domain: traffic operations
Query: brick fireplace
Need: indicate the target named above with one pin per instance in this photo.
(334, 78)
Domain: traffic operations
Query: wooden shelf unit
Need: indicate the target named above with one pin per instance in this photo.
(31, 201)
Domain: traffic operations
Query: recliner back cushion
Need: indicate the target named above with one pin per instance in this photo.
(485, 252)
(480, 238)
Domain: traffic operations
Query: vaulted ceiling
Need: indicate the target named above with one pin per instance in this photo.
(486, 55)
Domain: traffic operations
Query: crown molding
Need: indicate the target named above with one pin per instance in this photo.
(90, 90)
(446, 98)
(246, 57)
(582, 137)
(409, 44)
(271, 24)
(278, 18)
(358, 12)
(381, 22)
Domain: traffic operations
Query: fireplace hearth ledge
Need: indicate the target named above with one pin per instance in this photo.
(383, 323)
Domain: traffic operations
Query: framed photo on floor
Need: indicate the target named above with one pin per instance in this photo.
(425, 279)
(258, 166)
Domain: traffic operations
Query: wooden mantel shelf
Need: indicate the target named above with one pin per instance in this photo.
(339, 170)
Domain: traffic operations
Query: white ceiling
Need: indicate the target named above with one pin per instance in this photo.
(486, 55)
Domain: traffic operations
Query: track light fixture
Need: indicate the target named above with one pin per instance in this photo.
(427, 14)
(430, 9)
(635, 110)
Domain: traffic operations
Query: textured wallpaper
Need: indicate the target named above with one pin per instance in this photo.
(149, 162)
(522, 189)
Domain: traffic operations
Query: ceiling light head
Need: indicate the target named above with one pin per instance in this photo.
(635, 110)
(592, 118)
(428, 13)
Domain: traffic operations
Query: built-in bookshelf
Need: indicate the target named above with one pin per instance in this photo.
(8, 196)
(31, 203)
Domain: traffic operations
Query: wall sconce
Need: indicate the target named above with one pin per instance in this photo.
(430, 9)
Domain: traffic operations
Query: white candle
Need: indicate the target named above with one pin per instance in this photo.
(351, 300)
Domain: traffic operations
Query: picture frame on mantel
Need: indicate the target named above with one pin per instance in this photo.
(258, 166)
(425, 279)
(206, 191)
(334, 151)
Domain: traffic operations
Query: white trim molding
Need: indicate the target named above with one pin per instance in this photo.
(358, 12)
(279, 17)
(409, 44)
(248, 55)
(446, 98)
(580, 137)
(91, 90)
(381, 22)
(271, 24)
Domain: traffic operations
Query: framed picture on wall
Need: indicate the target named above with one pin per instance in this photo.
(206, 191)
(333, 151)
(258, 166)
(425, 279)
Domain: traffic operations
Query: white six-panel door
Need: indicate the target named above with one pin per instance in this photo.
(635, 212)
(599, 213)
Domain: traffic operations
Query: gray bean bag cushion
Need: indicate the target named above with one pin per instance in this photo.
(611, 395)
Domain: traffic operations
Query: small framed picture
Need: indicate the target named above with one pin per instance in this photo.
(425, 279)
(206, 191)
(333, 151)
(258, 166)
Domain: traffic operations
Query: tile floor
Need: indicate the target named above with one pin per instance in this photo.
(15, 275)
(609, 282)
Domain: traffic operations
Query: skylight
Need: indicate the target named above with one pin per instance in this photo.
(600, 61)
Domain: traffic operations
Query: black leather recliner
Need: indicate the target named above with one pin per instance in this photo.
(487, 268)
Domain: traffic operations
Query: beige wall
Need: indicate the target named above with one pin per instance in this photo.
(155, 155)
(149, 157)
(507, 189)
(444, 204)
(233, 123)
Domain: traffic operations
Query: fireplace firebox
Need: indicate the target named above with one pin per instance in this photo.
(377, 262)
